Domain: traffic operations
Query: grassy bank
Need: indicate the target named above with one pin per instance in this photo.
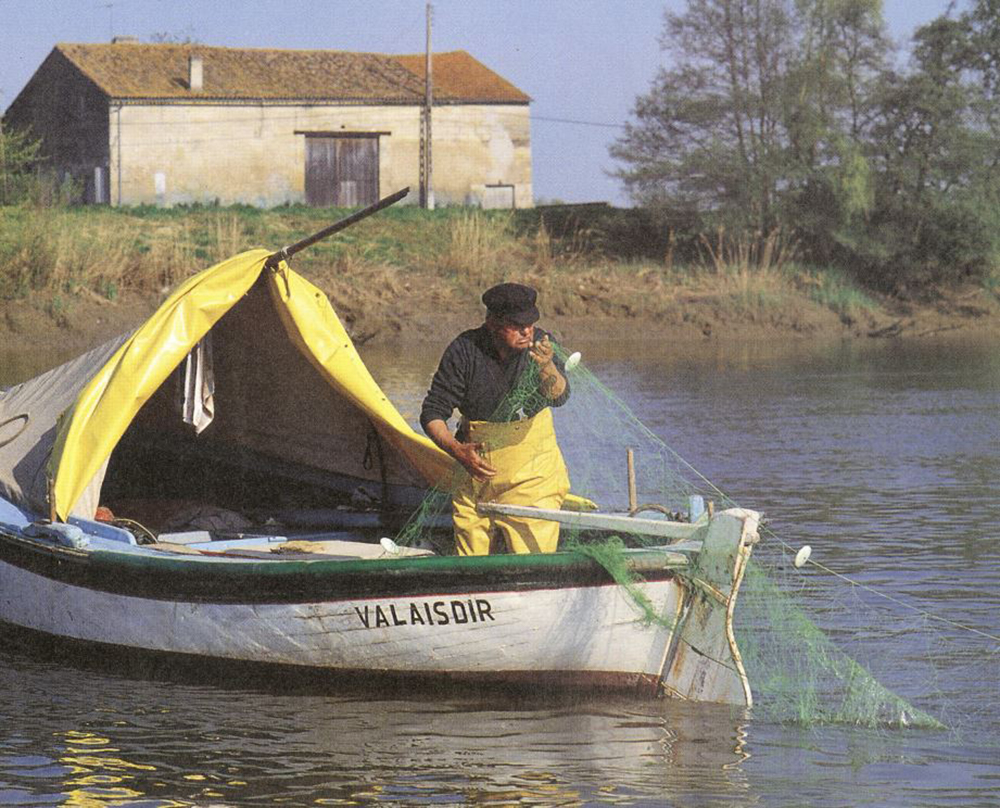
(406, 269)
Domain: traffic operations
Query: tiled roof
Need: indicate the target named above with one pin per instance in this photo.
(457, 75)
(160, 71)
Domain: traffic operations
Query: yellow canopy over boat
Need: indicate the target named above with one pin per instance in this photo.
(91, 428)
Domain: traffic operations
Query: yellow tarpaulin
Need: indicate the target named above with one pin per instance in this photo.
(89, 431)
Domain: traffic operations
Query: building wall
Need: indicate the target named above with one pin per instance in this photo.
(69, 114)
(171, 154)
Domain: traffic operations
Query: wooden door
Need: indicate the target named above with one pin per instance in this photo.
(341, 171)
(498, 196)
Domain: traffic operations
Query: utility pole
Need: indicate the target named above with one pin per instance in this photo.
(3, 165)
(426, 185)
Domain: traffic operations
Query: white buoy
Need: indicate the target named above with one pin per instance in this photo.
(573, 360)
(802, 556)
(389, 545)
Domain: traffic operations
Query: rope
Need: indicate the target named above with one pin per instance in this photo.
(891, 598)
(19, 432)
(373, 445)
(140, 531)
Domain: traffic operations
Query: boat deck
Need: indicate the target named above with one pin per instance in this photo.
(349, 545)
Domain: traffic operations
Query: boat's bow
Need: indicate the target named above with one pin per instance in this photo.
(703, 662)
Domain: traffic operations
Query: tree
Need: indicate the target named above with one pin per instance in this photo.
(935, 148)
(705, 133)
(841, 51)
(760, 113)
(788, 114)
(19, 154)
(183, 37)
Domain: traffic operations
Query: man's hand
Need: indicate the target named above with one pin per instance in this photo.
(551, 381)
(541, 351)
(468, 454)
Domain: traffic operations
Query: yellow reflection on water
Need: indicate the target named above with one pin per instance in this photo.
(95, 780)
(85, 738)
(543, 787)
(97, 772)
(101, 797)
(109, 762)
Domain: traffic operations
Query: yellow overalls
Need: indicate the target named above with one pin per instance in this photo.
(530, 471)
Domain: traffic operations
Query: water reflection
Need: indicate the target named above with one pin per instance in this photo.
(139, 742)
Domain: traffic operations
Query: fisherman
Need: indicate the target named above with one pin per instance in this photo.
(503, 377)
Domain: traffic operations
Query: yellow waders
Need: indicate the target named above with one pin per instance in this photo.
(530, 471)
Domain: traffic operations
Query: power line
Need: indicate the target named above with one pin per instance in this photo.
(577, 122)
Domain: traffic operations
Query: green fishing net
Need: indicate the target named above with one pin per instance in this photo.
(797, 670)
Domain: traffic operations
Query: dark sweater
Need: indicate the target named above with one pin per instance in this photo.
(472, 378)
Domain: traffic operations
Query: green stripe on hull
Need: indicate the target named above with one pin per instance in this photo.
(639, 559)
(209, 579)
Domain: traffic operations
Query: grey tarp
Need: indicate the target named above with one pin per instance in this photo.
(28, 415)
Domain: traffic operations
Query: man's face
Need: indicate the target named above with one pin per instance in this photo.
(513, 336)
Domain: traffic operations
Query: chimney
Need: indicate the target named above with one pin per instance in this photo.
(195, 74)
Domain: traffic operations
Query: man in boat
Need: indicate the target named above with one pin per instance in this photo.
(504, 378)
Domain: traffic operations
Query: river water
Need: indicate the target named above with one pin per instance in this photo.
(883, 456)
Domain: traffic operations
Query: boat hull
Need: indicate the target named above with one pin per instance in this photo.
(574, 635)
(540, 619)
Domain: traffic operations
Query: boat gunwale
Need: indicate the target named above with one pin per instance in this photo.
(237, 579)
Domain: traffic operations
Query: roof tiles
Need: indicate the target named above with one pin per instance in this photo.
(160, 71)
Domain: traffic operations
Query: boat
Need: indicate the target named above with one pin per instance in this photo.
(221, 485)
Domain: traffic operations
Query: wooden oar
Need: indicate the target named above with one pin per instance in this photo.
(287, 252)
(658, 528)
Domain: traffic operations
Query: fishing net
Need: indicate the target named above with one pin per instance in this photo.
(792, 624)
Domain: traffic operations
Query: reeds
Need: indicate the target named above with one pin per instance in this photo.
(833, 290)
(748, 252)
(56, 253)
(59, 251)
(480, 247)
(749, 268)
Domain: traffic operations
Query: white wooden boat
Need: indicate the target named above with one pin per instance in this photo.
(357, 609)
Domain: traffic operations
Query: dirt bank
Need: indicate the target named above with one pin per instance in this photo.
(403, 307)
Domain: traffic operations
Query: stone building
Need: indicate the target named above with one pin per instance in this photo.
(168, 124)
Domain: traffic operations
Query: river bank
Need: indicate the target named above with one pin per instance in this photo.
(394, 307)
(74, 277)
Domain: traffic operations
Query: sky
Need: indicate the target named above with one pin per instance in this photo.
(583, 62)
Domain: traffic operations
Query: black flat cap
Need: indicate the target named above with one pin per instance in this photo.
(513, 302)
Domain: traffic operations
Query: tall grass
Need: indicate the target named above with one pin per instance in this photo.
(991, 283)
(480, 246)
(747, 269)
(833, 289)
(61, 252)
(745, 253)
(58, 251)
